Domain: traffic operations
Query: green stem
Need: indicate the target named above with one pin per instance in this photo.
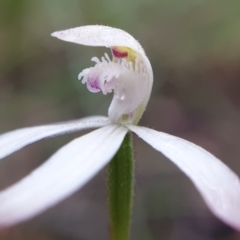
(120, 186)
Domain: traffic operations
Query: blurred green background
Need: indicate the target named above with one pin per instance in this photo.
(194, 48)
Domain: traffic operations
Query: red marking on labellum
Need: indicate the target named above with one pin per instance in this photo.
(118, 54)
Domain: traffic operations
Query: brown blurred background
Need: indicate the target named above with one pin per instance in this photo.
(194, 48)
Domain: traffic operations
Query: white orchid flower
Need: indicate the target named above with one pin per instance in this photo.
(129, 76)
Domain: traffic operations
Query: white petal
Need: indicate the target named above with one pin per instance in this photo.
(218, 185)
(17, 139)
(97, 35)
(64, 173)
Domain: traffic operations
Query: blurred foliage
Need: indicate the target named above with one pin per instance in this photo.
(195, 52)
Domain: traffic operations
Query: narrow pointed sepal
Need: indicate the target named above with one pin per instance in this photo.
(218, 185)
(64, 173)
(17, 139)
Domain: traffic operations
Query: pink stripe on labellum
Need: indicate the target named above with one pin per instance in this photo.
(93, 84)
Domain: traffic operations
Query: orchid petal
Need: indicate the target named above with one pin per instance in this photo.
(218, 185)
(64, 173)
(97, 35)
(17, 139)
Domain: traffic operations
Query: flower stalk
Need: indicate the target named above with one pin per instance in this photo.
(120, 190)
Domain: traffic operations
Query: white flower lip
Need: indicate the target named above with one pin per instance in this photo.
(129, 75)
(81, 159)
